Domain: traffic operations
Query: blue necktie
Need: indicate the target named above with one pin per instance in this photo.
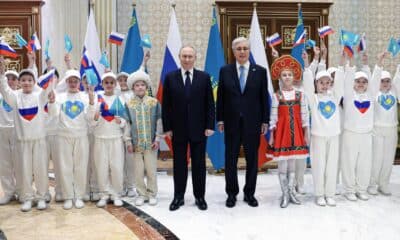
(242, 78)
(187, 84)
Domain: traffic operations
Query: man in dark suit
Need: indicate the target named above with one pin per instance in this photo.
(188, 114)
(243, 115)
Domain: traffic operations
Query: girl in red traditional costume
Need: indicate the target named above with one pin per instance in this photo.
(289, 125)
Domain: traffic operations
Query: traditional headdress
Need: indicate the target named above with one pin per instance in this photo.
(286, 62)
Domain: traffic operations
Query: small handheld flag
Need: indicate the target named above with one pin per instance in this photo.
(362, 46)
(116, 38)
(91, 77)
(301, 39)
(46, 79)
(348, 50)
(46, 49)
(117, 108)
(348, 38)
(145, 41)
(393, 47)
(310, 43)
(104, 60)
(34, 43)
(6, 50)
(68, 43)
(20, 40)
(85, 61)
(274, 40)
(325, 31)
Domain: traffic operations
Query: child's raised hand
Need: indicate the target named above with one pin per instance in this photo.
(342, 60)
(2, 65)
(381, 57)
(324, 50)
(317, 52)
(304, 56)
(275, 53)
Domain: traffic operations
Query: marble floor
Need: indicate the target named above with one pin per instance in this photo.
(378, 218)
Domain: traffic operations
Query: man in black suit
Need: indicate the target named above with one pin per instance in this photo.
(243, 115)
(188, 114)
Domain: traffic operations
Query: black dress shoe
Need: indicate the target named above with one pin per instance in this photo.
(176, 203)
(201, 203)
(251, 201)
(231, 201)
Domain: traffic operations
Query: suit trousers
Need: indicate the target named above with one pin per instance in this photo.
(198, 163)
(250, 143)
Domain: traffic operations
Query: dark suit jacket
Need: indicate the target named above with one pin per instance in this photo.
(188, 119)
(252, 104)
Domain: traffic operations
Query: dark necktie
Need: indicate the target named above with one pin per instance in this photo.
(188, 84)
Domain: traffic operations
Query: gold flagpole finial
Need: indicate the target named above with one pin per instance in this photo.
(254, 4)
(133, 3)
(299, 5)
(92, 3)
(213, 4)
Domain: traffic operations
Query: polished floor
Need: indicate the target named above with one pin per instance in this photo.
(377, 218)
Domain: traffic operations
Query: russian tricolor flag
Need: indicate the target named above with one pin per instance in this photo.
(46, 79)
(116, 38)
(6, 50)
(85, 60)
(274, 40)
(325, 31)
(348, 50)
(301, 39)
(171, 58)
(34, 43)
(362, 46)
(258, 56)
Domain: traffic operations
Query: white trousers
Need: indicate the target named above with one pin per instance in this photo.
(384, 151)
(301, 165)
(7, 161)
(109, 165)
(145, 165)
(356, 161)
(129, 169)
(324, 153)
(32, 165)
(91, 186)
(73, 155)
(51, 141)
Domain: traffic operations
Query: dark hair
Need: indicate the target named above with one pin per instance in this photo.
(26, 73)
(55, 72)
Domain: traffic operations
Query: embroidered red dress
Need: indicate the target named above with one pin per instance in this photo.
(288, 135)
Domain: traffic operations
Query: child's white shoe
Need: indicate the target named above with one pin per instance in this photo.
(67, 204)
(139, 201)
(118, 202)
(320, 201)
(95, 197)
(58, 197)
(26, 206)
(350, 196)
(384, 191)
(6, 199)
(79, 203)
(372, 190)
(330, 201)
(86, 197)
(101, 203)
(362, 196)
(41, 205)
(153, 201)
(131, 193)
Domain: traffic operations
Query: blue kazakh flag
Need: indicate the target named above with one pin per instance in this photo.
(215, 59)
(298, 50)
(133, 53)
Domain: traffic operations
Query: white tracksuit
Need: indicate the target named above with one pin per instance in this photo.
(385, 133)
(109, 149)
(358, 109)
(7, 148)
(73, 112)
(31, 158)
(325, 131)
(129, 180)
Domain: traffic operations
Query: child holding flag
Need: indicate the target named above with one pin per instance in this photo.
(73, 110)
(31, 162)
(109, 129)
(358, 121)
(289, 111)
(144, 113)
(384, 134)
(7, 143)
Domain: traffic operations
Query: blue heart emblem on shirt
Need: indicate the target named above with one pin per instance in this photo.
(386, 101)
(327, 109)
(73, 109)
(5, 105)
(362, 106)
